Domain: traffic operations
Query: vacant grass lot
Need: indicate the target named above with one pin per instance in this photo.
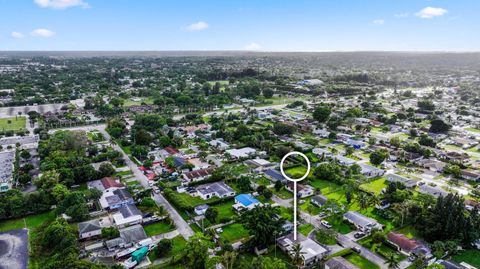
(471, 256)
(178, 246)
(234, 232)
(29, 222)
(305, 229)
(158, 228)
(360, 261)
(375, 186)
(13, 124)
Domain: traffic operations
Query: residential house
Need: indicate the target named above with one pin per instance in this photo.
(371, 171)
(322, 152)
(344, 160)
(201, 209)
(132, 235)
(409, 183)
(197, 175)
(198, 164)
(318, 200)
(127, 215)
(215, 189)
(89, 229)
(219, 144)
(115, 199)
(259, 164)
(302, 190)
(312, 252)
(245, 201)
(362, 222)
(408, 246)
(273, 175)
(433, 165)
(241, 153)
(433, 191)
(339, 263)
(471, 175)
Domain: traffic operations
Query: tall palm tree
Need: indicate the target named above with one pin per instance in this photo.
(391, 261)
(229, 258)
(297, 257)
(402, 209)
(362, 200)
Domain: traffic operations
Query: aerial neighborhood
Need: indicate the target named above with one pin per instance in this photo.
(174, 162)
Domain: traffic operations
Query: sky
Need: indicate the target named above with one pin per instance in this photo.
(264, 25)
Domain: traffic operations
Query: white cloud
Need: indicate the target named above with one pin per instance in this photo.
(198, 26)
(61, 4)
(253, 46)
(42, 33)
(431, 12)
(17, 35)
(401, 15)
(379, 21)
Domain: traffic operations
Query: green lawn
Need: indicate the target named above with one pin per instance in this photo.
(234, 232)
(283, 193)
(360, 261)
(132, 183)
(382, 249)
(471, 256)
(13, 123)
(263, 181)
(178, 246)
(375, 186)
(225, 210)
(310, 208)
(305, 229)
(31, 221)
(158, 228)
(409, 232)
(474, 130)
(340, 225)
(129, 102)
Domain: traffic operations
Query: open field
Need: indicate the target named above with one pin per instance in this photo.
(13, 123)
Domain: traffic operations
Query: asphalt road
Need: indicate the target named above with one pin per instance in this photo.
(14, 249)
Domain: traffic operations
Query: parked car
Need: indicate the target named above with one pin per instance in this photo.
(356, 249)
(359, 235)
(322, 214)
(326, 224)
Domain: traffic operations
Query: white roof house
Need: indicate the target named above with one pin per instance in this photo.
(312, 252)
(241, 153)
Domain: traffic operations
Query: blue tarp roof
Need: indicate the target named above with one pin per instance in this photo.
(246, 199)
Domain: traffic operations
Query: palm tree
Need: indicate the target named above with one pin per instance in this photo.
(391, 261)
(362, 199)
(229, 258)
(297, 257)
(402, 209)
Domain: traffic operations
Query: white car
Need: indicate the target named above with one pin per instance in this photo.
(326, 224)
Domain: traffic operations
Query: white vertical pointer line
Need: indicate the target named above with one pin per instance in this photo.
(295, 210)
(295, 186)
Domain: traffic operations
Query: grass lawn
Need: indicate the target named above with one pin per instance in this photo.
(188, 200)
(129, 102)
(382, 249)
(340, 225)
(409, 232)
(310, 208)
(471, 256)
(234, 232)
(178, 246)
(305, 229)
(158, 228)
(283, 193)
(30, 222)
(375, 186)
(263, 181)
(14, 224)
(225, 210)
(13, 123)
(473, 130)
(132, 183)
(297, 172)
(360, 261)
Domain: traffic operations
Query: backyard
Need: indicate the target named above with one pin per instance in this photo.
(234, 232)
(158, 228)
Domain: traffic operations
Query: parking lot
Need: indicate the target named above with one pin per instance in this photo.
(14, 249)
